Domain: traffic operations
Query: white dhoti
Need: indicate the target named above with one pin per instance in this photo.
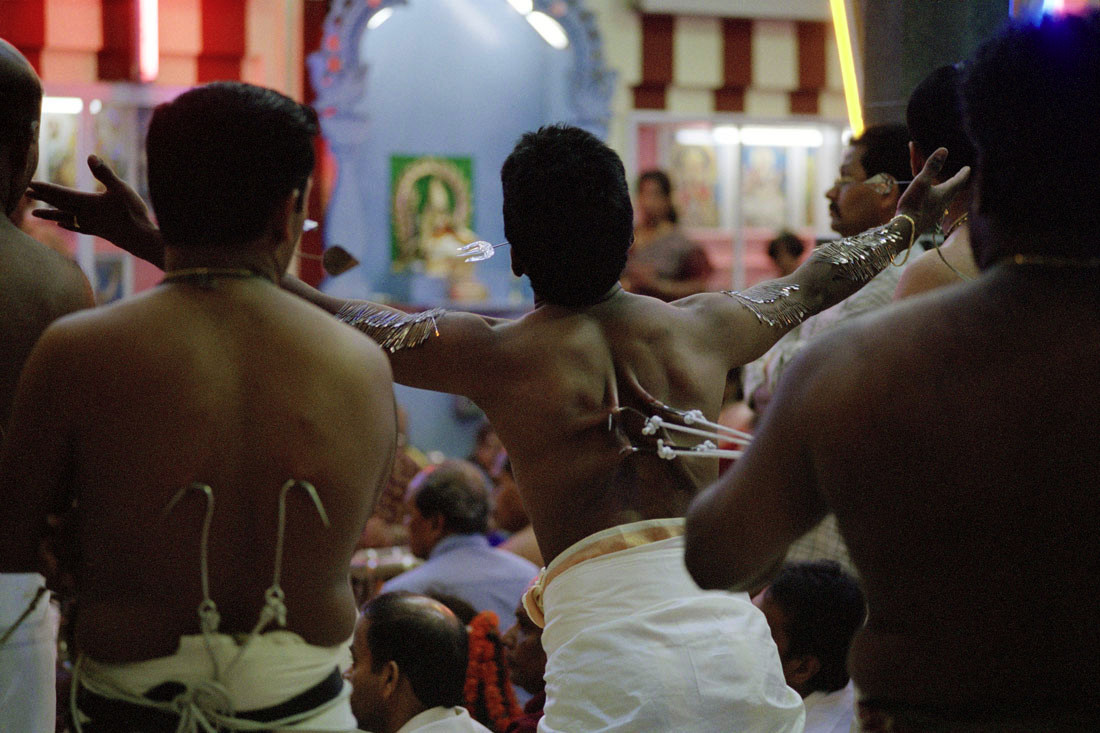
(28, 657)
(632, 644)
(208, 680)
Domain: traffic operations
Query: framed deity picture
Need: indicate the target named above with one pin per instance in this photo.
(431, 211)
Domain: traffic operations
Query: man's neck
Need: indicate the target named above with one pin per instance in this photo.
(959, 208)
(996, 241)
(611, 293)
(401, 713)
(262, 262)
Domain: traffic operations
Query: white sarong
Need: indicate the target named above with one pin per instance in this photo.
(28, 658)
(276, 666)
(632, 644)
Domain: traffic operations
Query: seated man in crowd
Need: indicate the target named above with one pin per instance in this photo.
(629, 637)
(814, 610)
(409, 667)
(526, 661)
(447, 507)
(37, 286)
(217, 442)
(955, 435)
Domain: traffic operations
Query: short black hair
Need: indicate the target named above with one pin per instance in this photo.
(885, 150)
(20, 100)
(665, 184)
(567, 213)
(788, 242)
(1031, 98)
(221, 158)
(824, 608)
(459, 492)
(935, 119)
(430, 647)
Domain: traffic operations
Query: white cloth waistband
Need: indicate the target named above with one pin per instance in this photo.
(278, 666)
(23, 593)
(605, 542)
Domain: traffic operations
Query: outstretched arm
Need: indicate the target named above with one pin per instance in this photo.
(436, 350)
(752, 320)
(116, 214)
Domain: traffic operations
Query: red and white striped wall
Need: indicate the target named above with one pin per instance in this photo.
(764, 68)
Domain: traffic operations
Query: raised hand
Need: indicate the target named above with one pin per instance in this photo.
(116, 214)
(925, 202)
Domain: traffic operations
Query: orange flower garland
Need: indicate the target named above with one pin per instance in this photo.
(488, 691)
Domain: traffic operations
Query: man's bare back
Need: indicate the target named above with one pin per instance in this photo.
(552, 382)
(240, 386)
(964, 481)
(37, 286)
(971, 514)
(955, 434)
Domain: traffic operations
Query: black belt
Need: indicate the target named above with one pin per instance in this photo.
(118, 715)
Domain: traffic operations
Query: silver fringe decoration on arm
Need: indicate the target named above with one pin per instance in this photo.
(772, 304)
(392, 330)
(865, 255)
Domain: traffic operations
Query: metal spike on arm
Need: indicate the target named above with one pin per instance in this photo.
(392, 329)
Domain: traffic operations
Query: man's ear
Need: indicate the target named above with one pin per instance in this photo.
(517, 264)
(391, 678)
(916, 160)
(283, 216)
(800, 670)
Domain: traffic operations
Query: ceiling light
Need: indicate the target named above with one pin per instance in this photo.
(62, 105)
(379, 18)
(550, 29)
(726, 135)
(782, 137)
(694, 136)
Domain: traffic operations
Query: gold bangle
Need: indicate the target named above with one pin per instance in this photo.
(912, 239)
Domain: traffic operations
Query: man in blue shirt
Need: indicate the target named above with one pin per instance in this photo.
(448, 515)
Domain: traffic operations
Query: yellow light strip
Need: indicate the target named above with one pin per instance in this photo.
(847, 65)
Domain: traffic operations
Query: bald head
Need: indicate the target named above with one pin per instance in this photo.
(20, 108)
(425, 639)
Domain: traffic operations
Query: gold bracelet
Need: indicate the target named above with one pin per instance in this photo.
(912, 239)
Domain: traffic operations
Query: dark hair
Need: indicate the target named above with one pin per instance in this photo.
(1032, 103)
(935, 119)
(20, 100)
(460, 607)
(428, 643)
(885, 150)
(824, 608)
(457, 491)
(221, 158)
(789, 242)
(665, 184)
(567, 213)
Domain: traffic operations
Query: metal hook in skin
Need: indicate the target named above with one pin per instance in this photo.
(274, 608)
(209, 618)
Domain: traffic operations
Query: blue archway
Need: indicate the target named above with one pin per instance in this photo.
(448, 78)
